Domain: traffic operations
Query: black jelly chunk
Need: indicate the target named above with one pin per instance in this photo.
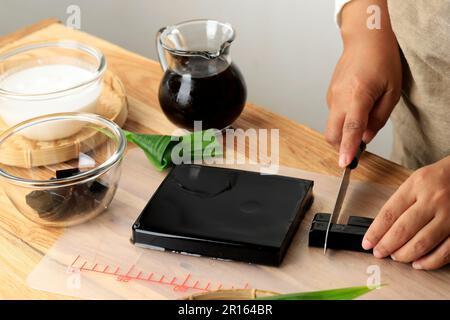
(49, 204)
(54, 204)
(98, 188)
(44, 201)
(66, 173)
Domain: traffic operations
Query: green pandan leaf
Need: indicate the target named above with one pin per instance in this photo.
(155, 147)
(158, 148)
(335, 294)
(201, 144)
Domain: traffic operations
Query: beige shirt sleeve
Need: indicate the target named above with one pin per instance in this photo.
(339, 4)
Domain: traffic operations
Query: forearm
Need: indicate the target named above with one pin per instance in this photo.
(354, 24)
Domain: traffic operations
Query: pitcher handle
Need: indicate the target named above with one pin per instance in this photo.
(159, 47)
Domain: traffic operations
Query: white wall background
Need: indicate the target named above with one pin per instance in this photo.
(286, 49)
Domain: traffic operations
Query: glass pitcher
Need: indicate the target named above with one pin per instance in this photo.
(200, 82)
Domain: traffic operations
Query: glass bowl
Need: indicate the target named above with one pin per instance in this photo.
(49, 77)
(62, 182)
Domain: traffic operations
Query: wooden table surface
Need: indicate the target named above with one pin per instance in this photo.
(23, 243)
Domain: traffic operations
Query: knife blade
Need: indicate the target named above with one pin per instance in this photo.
(345, 180)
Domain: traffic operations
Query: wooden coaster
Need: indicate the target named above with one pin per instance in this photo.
(22, 152)
(232, 294)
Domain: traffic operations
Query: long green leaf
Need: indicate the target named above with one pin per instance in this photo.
(197, 150)
(154, 146)
(158, 148)
(335, 294)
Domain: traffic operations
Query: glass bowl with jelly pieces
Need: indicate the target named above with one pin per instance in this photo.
(61, 182)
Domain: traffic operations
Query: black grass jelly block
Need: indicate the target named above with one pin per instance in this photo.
(66, 173)
(342, 236)
(224, 213)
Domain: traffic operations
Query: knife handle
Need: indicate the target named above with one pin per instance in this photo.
(354, 163)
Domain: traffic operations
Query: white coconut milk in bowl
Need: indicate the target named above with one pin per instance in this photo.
(47, 78)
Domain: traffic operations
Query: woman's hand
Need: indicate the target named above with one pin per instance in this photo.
(414, 225)
(366, 83)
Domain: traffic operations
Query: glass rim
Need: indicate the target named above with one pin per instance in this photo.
(66, 44)
(82, 176)
(209, 53)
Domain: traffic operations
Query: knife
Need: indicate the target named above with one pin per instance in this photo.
(345, 179)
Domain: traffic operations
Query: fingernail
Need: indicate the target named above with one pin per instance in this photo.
(377, 254)
(343, 159)
(393, 257)
(366, 244)
(416, 265)
(366, 137)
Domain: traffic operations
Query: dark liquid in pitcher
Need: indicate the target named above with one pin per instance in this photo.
(217, 100)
